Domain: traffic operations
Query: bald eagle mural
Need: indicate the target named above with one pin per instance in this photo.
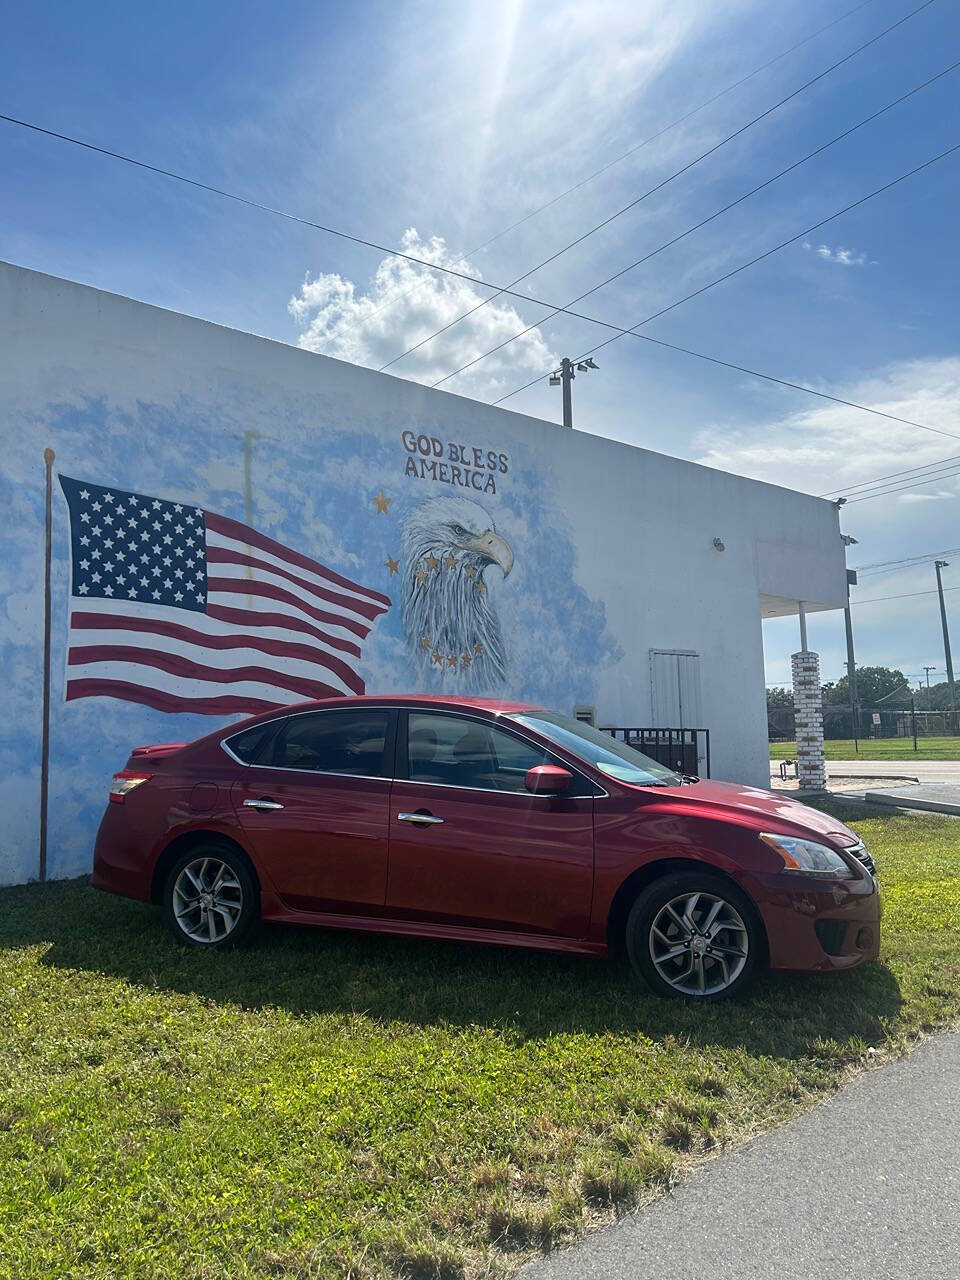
(449, 546)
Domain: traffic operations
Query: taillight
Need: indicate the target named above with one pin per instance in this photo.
(124, 782)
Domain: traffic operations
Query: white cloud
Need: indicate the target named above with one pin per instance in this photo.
(825, 446)
(844, 257)
(405, 303)
(925, 497)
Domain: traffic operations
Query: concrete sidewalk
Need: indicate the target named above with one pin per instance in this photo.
(935, 797)
(922, 770)
(865, 1186)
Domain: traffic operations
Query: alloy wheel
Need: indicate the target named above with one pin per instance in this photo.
(207, 900)
(699, 943)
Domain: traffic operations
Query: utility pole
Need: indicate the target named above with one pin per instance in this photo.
(852, 665)
(928, 670)
(938, 565)
(564, 378)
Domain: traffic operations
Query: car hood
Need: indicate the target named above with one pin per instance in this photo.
(762, 806)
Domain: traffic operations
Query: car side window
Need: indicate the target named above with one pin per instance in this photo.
(467, 753)
(350, 742)
(251, 745)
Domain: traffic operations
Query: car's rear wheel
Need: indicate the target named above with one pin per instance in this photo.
(694, 934)
(210, 898)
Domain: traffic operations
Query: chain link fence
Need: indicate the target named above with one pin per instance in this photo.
(846, 723)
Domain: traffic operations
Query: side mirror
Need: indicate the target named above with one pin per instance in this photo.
(548, 780)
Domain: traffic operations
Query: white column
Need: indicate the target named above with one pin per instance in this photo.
(808, 716)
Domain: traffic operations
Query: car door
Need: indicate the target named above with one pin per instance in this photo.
(315, 809)
(470, 846)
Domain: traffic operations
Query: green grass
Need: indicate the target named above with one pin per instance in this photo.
(327, 1105)
(877, 749)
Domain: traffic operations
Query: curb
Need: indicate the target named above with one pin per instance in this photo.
(856, 777)
(909, 802)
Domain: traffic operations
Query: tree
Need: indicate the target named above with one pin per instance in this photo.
(874, 685)
(938, 698)
(779, 697)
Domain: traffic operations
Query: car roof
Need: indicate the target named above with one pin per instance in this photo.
(446, 701)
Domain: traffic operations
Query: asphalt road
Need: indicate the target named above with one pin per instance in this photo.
(864, 1187)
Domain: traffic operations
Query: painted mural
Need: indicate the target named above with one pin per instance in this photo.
(203, 569)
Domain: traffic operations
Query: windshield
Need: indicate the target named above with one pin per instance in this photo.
(602, 750)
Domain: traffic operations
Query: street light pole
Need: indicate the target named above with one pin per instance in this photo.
(938, 565)
(564, 378)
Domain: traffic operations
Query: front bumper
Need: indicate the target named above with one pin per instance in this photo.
(812, 925)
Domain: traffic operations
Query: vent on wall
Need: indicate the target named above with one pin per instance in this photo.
(586, 715)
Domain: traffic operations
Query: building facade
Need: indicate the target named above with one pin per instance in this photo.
(346, 530)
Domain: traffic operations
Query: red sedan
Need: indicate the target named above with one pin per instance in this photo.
(490, 822)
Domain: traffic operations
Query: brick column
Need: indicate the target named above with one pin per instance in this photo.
(808, 713)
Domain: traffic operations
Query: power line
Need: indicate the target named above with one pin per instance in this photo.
(397, 294)
(908, 562)
(855, 604)
(889, 491)
(660, 185)
(460, 275)
(892, 475)
(702, 223)
(577, 186)
(621, 333)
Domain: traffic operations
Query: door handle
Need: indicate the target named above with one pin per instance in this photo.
(262, 805)
(419, 819)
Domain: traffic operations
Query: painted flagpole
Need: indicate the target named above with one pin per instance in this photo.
(48, 457)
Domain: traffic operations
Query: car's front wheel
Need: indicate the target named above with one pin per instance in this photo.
(694, 934)
(210, 898)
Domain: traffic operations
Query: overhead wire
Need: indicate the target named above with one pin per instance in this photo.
(908, 595)
(907, 487)
(398, 294)
(631, 332)
(891, 475)
(660, 185)
(461, 275)
(557, 310)
(908, 562)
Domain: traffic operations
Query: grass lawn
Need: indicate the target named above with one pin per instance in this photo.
(877, 749)
(326, 1105)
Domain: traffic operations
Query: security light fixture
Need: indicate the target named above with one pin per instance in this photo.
(719, 544)
(839, 502)
(849, 540)
(564, 376)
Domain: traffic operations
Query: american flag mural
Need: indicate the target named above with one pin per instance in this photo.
(182, 609)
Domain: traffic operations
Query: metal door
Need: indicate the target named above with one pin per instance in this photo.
(675, 688)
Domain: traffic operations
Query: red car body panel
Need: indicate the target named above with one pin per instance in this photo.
(522, 863)
(531, 870)
(352, 813)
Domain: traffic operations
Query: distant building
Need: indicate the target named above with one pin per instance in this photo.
(236, 523)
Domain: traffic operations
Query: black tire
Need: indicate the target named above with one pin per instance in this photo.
(717, 970)
(235, 907)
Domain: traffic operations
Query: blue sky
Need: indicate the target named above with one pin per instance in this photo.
(439, 125)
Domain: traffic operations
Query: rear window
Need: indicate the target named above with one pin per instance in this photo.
(250, 745)
(334, 742)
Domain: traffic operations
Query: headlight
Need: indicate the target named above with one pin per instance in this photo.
(810, 858)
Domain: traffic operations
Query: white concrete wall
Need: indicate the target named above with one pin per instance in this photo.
(613, 545)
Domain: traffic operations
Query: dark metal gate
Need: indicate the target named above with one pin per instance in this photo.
(685, 750)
